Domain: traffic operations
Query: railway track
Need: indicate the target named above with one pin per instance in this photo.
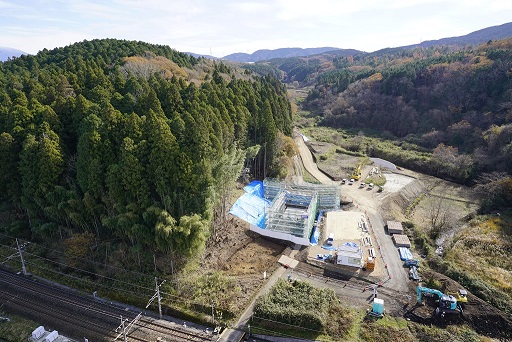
(79, 316)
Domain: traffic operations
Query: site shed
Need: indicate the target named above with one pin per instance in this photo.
(349, 256)
(395, 227)
(405, 253)
(401, 240)
(38, 332)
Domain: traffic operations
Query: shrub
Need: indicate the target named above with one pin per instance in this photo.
(297, 303)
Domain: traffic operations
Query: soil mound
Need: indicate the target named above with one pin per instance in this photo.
(398, 201)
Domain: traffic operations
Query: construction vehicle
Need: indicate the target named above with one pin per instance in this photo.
(461, 296)
(447, 303)
(357, 172)
(413, 273)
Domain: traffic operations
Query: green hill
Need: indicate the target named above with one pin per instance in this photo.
(454, 104)
(129, 141)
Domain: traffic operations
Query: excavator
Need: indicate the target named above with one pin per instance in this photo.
(447, 303)
(356, 174)
(461, 296)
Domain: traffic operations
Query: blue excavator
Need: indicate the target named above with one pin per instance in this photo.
(447, 303)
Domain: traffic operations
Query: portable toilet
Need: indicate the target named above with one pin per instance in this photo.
(378, 306)
(38, 332)
(370, 263)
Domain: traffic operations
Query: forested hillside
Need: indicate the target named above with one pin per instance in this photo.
(454, 108)
(112, 138)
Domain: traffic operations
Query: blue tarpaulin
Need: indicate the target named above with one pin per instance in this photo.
(255, 187)
(315, 235)
(251, 208)
(405, 253)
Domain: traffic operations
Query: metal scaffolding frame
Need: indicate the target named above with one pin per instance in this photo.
(292, 213)
(293, 207)
(328, 195)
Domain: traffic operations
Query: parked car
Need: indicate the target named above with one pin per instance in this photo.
(370, 186)
(363, 184)
(343, 181)
(351, 181)
(330, 239)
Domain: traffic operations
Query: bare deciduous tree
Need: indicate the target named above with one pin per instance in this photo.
(440, 215)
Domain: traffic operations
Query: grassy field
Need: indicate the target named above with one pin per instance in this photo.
(385, 329)
(17, 329)
(483, 250)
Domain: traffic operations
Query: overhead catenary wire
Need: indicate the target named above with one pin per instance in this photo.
(82, 279)
(78, 258)
(85, 271)
(164, 295)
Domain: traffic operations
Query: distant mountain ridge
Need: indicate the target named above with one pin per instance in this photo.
(473, 38)
(6, 53)
(263, 55)
(198, 55)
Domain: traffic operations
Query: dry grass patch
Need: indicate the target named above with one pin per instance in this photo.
(483, 249)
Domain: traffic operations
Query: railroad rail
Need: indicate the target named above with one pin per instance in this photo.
(80, 316)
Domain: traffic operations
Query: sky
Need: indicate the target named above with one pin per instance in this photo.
(222, 27)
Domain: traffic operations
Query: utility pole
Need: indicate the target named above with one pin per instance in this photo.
(124, 331)
(157, 296)
(157, 288)
(23, 268)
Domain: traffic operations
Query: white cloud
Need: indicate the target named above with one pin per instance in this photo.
(227, 26)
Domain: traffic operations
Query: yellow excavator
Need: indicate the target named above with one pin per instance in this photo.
(461, 296)
(357, 172)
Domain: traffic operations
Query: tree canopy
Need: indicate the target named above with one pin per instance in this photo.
(110, 137)
(457, 104)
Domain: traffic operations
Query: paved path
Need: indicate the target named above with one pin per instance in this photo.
(398, 274)
(237, 332)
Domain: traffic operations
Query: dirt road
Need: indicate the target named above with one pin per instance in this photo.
(368, 202)
(308, 162)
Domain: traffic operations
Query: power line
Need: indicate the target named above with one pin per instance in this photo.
(82, 270)
(78, 258)
(85, 271)
(95, 274)
(110, 287)
(283, 323)
(162, 294)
